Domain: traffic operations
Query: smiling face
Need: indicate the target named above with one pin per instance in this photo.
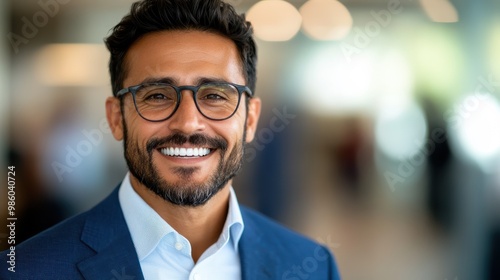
(187, 158)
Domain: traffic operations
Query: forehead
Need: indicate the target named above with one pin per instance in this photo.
(183, 56)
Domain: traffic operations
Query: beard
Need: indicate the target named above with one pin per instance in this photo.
(188, 193)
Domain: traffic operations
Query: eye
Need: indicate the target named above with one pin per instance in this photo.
(214, 97)
(156, 96)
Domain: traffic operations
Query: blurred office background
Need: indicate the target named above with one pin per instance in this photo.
(379, 136)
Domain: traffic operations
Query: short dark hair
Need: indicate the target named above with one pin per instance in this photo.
(149, 16)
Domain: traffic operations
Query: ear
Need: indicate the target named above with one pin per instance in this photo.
(114, 116)
(254, 105)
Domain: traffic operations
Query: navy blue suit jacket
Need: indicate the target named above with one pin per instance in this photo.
(97, 245)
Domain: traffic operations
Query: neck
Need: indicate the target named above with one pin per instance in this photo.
(201, 225)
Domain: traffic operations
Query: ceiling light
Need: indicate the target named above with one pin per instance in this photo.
(440, 10)
(274, 20)
(325, 19)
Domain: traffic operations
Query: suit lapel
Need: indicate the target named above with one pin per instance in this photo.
(257, 261)
(106, 232)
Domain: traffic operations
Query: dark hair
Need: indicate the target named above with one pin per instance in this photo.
(149, 16)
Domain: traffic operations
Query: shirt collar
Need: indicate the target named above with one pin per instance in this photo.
(147, 228)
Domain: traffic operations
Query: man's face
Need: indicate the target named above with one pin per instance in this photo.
(184, 58)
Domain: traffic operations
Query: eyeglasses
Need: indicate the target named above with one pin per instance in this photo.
(157, 102)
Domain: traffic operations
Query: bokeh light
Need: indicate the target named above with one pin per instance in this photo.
(72, 65)
(325, 19)
(473, 123)
(400, 134)
(274, 20)
(440, 10)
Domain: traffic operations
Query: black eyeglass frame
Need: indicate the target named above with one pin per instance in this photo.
(178, 89)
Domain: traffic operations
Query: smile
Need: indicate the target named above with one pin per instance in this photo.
(185, 152)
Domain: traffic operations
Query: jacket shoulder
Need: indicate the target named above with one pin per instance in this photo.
(55, 252)
(270, 229)
(51, 254)
(294, 256)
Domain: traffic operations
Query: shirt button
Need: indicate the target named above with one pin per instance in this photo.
(196, 276)
(178, 246)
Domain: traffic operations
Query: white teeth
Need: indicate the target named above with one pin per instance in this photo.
(185, 152)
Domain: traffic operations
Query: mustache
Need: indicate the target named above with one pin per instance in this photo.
(194, 139)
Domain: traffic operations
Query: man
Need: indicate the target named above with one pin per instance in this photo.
(183, 78)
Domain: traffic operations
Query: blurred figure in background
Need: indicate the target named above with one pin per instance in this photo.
(70, 154)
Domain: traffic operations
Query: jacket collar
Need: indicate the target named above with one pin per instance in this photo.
(257, 261)
(106, 232)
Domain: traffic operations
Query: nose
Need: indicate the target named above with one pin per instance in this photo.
(187, 119)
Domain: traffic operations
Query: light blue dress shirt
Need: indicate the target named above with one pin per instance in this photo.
(165, 254)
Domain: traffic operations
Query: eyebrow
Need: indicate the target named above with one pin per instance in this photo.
(172, 81)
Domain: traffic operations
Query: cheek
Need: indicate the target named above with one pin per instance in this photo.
(138, 131)
(238, 121)
(233, 132)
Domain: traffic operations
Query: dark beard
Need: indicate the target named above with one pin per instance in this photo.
(141, 166)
